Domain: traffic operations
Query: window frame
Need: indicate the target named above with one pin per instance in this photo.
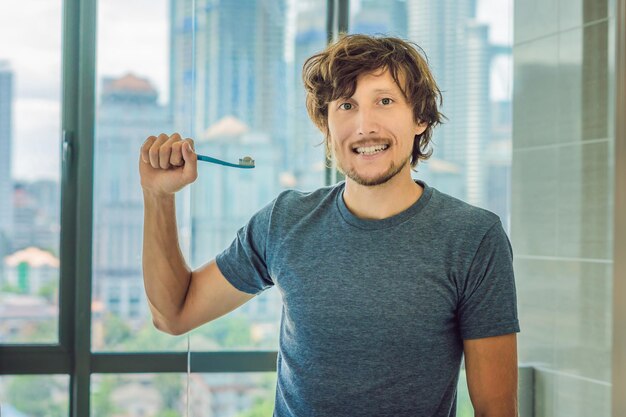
(72, 355)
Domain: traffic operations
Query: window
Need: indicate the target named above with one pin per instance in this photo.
(73, 313)
(30, 196)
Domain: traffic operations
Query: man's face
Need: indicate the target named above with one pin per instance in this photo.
(372, 132)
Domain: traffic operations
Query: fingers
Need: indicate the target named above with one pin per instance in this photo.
(145, 148)
(176, 158)
(162, 151)
(190, 170)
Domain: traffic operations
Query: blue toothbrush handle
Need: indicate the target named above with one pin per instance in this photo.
(220, 162)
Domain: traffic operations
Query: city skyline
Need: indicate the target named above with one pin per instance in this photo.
(36, 62)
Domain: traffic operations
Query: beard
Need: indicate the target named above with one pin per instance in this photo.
(380, 179)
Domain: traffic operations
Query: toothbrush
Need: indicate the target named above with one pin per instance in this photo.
(245, 162)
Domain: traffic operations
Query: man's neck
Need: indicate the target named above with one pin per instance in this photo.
(382, 201)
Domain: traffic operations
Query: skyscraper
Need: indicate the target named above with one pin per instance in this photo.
(306, 150)
(127, 113)
(6, 182)
(458, 52)
(228, 59)
(380, 17)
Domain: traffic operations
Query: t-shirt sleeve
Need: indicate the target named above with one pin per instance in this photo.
(244, 262)
(488, 304)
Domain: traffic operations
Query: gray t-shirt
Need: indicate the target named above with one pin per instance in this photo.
(375, 311)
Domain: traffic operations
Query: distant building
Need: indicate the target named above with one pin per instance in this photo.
(22, 315)
(305, 149)
(460, 57)
(127, 114)
(6, 182)
(137, 396)
(223, 199)
(36, 218)
(380, 17)
(237, 68)
(30, 270)
(225, 395)
(499, 156)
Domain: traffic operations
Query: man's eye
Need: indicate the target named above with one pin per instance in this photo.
(386, 101)
(345, 106)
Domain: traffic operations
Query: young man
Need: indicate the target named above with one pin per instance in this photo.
(386, 282)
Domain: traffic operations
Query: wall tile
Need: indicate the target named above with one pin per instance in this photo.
(558, 395)
(535, 93)
(534, 19)
(575, 397)
(583, 319)
(545, 394)
(575, 13)
(584, 201)
(569, 91)
(595, 97)
(536, 292)
(534, 202)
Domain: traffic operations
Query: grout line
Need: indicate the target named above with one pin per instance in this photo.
(559, 31)
(562, 258)
(573, 376)
(562, 145)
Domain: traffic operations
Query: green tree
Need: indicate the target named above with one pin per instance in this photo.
(102, 406)
(263, 407)
(116, 331)
(227, 332)
(170, 387)
(49, 291)
(34, 395)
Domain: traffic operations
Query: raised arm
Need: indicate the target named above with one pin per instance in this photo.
(180, 299)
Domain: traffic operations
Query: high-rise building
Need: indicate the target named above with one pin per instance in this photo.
(306, 150)
(223, 199)
(128, 111)
(380, 17)
(228, 59)
(6, 182)
(458, 51)
(36, 215)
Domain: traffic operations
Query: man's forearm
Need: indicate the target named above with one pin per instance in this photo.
(165, 272)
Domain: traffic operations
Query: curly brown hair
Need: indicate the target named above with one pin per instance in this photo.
(332, 74)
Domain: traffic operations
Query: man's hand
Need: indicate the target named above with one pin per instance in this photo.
(167, 164)
(491, 369)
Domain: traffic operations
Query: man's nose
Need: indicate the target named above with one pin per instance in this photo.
(367, 123)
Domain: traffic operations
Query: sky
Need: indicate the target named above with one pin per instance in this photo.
(132, 36)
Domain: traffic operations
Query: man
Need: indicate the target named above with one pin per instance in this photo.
(386, 282)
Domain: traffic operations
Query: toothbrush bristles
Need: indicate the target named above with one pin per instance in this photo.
(246, 161)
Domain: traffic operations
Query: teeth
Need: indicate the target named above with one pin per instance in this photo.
(369, 150)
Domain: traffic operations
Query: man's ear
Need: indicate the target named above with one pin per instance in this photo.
(420, 127)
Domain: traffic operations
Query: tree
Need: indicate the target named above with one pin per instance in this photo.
(21, 389)
(263, 407)
(102, 405)
(116, 331)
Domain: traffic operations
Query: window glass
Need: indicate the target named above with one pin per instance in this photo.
(468, 46)
(132, 103)
(248, 100)
(232, 395)
(30, 96)
(164, 395)
(229, 77)
(34, 396)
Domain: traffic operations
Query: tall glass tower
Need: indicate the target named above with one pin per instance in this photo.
(458, 51)
(6, 182)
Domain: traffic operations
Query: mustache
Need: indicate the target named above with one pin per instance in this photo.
(373, 140)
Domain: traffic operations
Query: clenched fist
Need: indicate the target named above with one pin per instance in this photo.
(167, 164)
